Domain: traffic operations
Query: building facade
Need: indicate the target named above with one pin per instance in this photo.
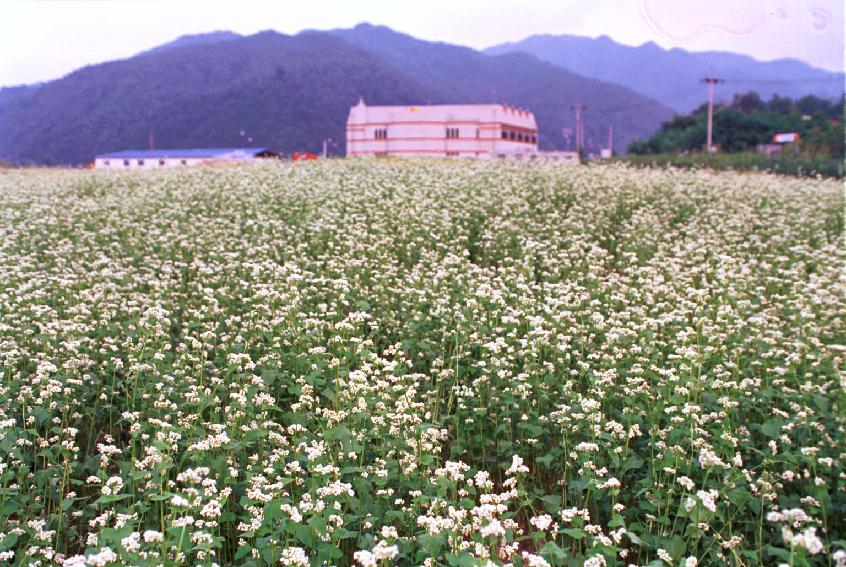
(452, 130)
(154, 159)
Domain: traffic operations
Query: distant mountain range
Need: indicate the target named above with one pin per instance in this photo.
(289, 93)
(462, 74)
(672, 76)
(194, 39)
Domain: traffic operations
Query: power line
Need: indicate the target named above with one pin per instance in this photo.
(785, 81)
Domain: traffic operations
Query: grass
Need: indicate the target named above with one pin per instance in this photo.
(802, 166)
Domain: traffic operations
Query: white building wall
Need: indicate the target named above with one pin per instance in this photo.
(431, 130)
(145, 163)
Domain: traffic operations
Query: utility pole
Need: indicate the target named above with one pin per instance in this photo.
(326, 143)
(611, 139)
(712, 83)
(566, 132)
(580, 133)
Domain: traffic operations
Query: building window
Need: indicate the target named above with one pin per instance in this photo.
(504, 135)
(452, 132)
(380, 133)
(126, 163)
(477, 133)
(381, 154)
(106, 162)
(452, 154)
(183, 161)
(161, 162)
(140, 162)
(512, 135)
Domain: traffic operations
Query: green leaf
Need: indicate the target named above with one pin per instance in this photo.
(675, 547)
(777, 552)
(550, 549)
(9, 541)
(160, 497)
(109, 498)
(531, 430)
(303, 533)
(467, 504)
(242, 552)
(432, 543)
(574, 533)
(738, 496)
(546, 460)
(616, 522)
(342, 533)
(553, 502)
(771, 429)
(461, 560)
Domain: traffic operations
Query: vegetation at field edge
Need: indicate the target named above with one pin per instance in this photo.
(796, 165)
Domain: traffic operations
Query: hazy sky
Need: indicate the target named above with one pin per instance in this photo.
(45, 39)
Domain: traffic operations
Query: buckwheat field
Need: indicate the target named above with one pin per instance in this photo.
(421, 363)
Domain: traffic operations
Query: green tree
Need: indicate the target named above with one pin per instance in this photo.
(780, 104)
(749, 102)
(749, 121)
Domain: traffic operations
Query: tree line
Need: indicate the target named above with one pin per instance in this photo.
(749, 121)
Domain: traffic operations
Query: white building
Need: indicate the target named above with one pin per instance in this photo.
(153, 159)
(449, 130)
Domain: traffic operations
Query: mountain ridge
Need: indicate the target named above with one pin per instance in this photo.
(290, 92)
(672, 76)
(201, 95)
(193, 39)
(519, 79)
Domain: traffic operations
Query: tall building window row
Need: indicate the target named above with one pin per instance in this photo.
(519, 136)
(452, 132)
(380, 133)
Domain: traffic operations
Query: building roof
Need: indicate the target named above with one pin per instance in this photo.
(208, 153)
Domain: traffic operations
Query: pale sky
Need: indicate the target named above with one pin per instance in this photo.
(46, 39)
